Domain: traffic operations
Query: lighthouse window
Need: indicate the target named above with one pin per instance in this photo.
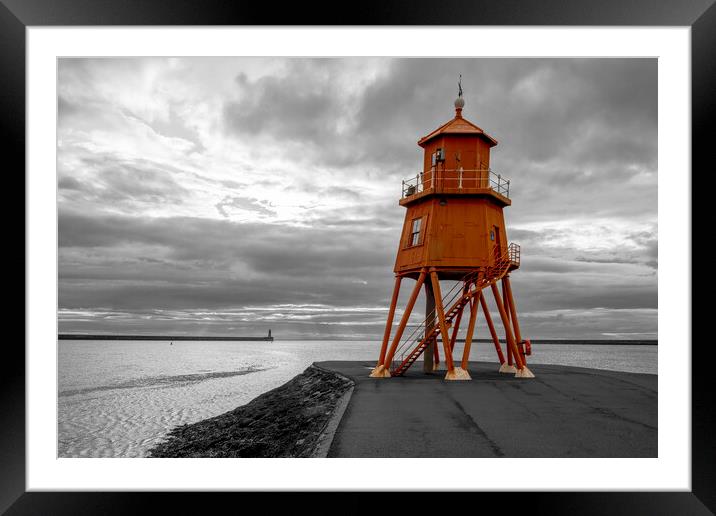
(415, 232)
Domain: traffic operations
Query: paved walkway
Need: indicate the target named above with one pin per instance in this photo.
(563, 412)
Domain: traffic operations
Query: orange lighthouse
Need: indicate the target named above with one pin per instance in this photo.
(454, 229)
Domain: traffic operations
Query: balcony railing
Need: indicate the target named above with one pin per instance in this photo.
(456, 181)
(513, 252)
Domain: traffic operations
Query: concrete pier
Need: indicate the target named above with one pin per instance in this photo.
(563, 412)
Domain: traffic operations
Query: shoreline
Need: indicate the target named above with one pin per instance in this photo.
(572, 342)
(296, 419)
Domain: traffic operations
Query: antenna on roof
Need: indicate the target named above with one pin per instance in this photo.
(459, 101)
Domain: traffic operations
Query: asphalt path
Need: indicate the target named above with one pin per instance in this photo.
(563, 412)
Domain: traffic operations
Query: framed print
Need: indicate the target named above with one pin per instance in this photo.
(231, 234)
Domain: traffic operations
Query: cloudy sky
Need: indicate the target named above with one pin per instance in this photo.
(233, 195)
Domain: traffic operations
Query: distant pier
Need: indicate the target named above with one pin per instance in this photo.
(590, 342)
(71, 336)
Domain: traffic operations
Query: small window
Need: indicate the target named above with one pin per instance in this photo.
(415, 232)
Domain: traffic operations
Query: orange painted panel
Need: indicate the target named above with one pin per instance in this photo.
(460, 233)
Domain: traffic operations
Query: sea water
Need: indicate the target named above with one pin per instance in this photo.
(119, 398)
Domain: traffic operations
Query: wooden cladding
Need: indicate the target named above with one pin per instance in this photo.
(451, 232)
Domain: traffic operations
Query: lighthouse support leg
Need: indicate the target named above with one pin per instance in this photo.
(430, 355)
(440, 312)
(388, 326)
(456, 326)
(509, 348)
(470, 330)
(401, 327)
(522, 371)
(436, 354)
(504, 368)
(507, 293)
(453, 373)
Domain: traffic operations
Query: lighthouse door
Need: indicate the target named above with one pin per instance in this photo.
(498, 242)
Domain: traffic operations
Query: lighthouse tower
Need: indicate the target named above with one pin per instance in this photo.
(454, 230)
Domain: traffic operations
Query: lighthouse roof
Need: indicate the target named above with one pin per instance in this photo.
(458, 125)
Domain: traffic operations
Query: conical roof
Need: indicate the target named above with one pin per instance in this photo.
(458, 125)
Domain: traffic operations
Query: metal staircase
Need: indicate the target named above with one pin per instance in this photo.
(456, 299)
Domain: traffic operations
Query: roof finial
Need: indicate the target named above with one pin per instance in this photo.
(459, 101)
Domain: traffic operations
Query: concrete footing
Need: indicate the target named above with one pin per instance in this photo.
(380, 372)
(458, 373)
(506, 368)
(524, 373)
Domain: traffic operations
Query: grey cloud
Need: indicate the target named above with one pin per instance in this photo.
(65, 108)
(308, 185)
(175, 126)
(614, 258)
(266, 249)
(69, 183)
(110, 180)
(576, 137)
(184, 263)
(642, 249)
(231, 184)
(243, 203)
(132, 182)
(304, 107)
(566, 127)
(539, 108)
(304, 112)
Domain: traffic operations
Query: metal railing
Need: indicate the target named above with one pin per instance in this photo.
(407, 344)
(466, 287)
(513, 251)
(456, 181)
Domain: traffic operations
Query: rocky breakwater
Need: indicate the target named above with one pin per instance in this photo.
(294, 420)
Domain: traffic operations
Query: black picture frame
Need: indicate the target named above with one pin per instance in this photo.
(16, 15)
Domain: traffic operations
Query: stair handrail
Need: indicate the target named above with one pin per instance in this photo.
(433, 315)
(449, 299)
(501, 267)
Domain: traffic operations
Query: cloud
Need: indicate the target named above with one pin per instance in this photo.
(106, 180)
(125, 263)
(216, 240)
(243, 203)
(210, 194)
